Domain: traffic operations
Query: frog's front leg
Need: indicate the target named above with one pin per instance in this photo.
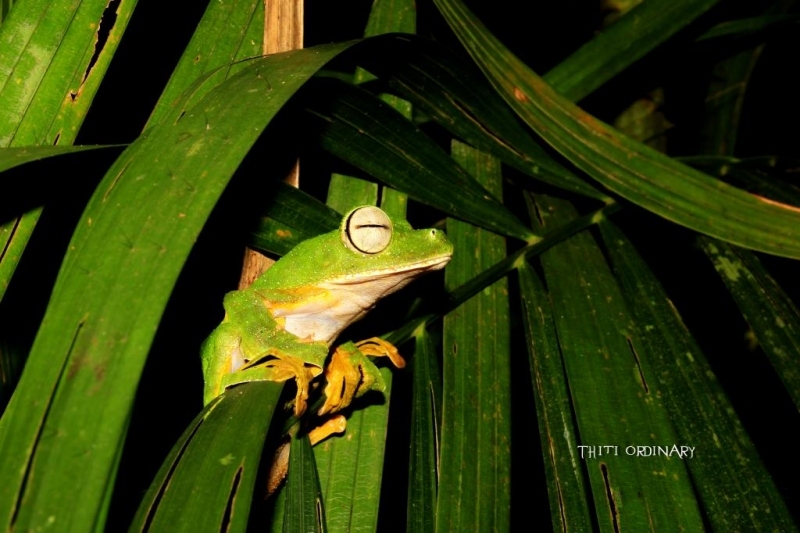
(350, 373)
(227, 362)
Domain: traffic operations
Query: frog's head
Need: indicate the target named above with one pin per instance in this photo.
(371, 247)
(335, 278)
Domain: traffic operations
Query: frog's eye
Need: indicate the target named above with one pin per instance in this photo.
(367, 230)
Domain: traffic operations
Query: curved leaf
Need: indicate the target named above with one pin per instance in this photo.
(639, 174)
(292, 216)
(52, 59)
(12, 157)
(208, 481)
(629, 38)
(458, 97)
(228, 33)
(764, 26)
(367, 132)
(75, 393)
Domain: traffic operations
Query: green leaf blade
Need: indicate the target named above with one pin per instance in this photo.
(224, 446)
(566, 487)
(771, 314)
(304, 510)
(733, 486)
(425, 417)
(614, 403)
(46, 51)
(14, 237)
(351, 468)
(475, 459)
(387, 16)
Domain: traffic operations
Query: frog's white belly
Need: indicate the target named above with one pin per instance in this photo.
(346, 301)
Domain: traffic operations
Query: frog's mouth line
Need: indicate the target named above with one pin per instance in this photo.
(410, 271)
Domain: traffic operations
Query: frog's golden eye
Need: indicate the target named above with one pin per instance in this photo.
(367, 230)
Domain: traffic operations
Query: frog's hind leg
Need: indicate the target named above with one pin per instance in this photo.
(280, 463)
(350, 373)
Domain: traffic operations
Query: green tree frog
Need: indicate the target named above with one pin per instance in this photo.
(283, 326)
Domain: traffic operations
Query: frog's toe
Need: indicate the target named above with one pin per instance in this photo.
(300, 399)
(333, 426)
(303, 381)
(377, 347)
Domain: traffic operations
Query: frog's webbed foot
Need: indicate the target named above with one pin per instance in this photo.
(350, 373)
(278, 369)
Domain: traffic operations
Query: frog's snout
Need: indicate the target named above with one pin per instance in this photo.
(439, 237)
